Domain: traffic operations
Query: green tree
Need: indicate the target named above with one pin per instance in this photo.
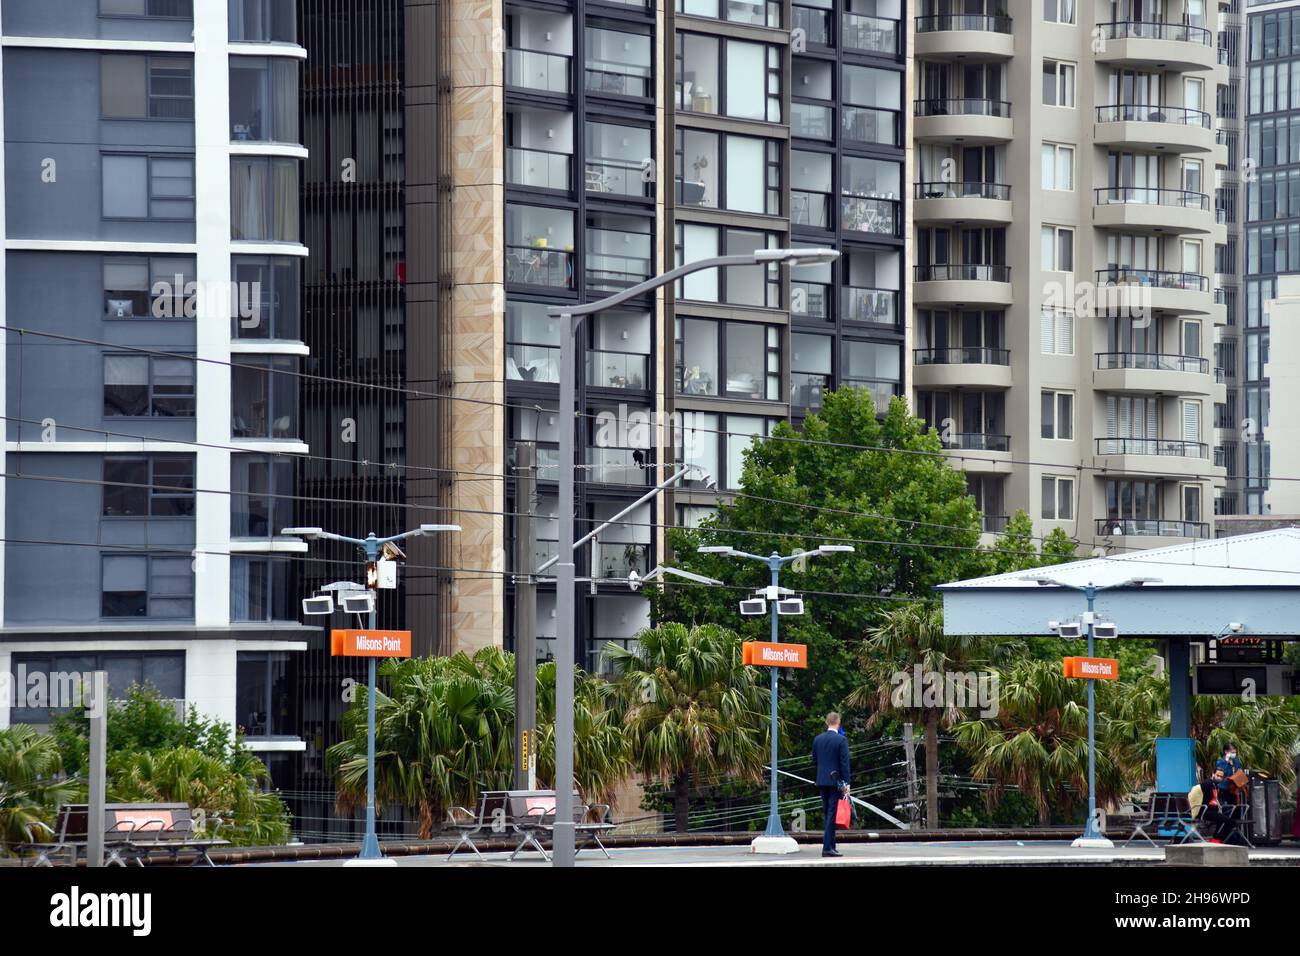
(31, 785)
(691, 708)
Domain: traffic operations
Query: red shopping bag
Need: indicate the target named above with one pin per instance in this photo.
(843, 814)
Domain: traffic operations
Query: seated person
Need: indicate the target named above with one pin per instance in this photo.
(1212, 809)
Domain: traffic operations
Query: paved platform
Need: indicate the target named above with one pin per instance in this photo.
(954, 853)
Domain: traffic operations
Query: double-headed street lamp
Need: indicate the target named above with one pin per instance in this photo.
(572, 316)
(1092, 834)
(774, 839)
(371, 546)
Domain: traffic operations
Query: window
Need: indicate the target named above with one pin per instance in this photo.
(164, 672)
(617, 157)
(756, 12)
(161, 486)
(263, 99)
(871, 196)
(704, 435)
(874, 366)
(812, 175)
(1058, 415)
(1058, 11)
(1058, 166)
(532, 343)
(139, 287)
(1132, 500)
(1058, 83)
(146, 87)
(154, 9)
(264, 298)
(810, 369)
(742, 172)
(140, 585)
(757, 285)
(1058, 249)
(1056, 332)
(873, 100)
(264, 397)
(264, 199)
(259, 589)
(747, 354)
(539, 246)
(746, 75)
(261, 495)
(263, 21)
(264, 694)
(143, 386)
(1058, 498)
(618, 63)
(147, 187)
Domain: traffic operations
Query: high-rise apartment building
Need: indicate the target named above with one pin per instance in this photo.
(1063, 305)
(152, 330)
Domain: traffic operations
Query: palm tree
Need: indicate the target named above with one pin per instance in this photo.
(31, 788)
(909, 635)
(1038, 741)
(601, 758)
(690, 707)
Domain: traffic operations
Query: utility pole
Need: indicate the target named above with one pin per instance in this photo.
(525, 618)
(98, 713)
(909, 751)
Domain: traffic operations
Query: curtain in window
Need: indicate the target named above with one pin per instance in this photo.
(284, 100)
(248, 191)
(284, 195)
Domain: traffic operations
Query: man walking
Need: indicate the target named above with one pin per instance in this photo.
(831, 763)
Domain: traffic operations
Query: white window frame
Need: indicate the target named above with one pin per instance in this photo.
(1057, 149)
(1050, 323)
(1066, 85)
(1059, 398)
(1054, 265)
(1053, 10)
(1057, 481)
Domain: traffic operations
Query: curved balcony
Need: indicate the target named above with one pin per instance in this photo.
(1150, 209)
(1174, 129)
(1153, 373)
(962, 202)
(970, 119)
(1150, 528)
(1166, 46)
(962, 366)
(979, 452)
(969, 37)
(1161, 457)
(1139, 292)
(958, 284)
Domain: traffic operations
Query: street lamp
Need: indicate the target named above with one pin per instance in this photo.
(563, 835)
(774, 839)
(371, 546)
(1092, 835)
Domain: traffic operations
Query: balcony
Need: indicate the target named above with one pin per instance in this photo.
(1159, 457)
(1173, 129)
(870, 126)
(616, 177)
(532, 363)
(875, 215)
(617, 559)
(621, 370)
(616, 466)
(539, 266)
(1152, 373)
(970, 38)
(815, 24)
(972, 202)
(971, 120)
(608, 270)
(876, 36)
(538, 169)
(962, 366)
(1151, 528)
(812, 121)
(979, 453)
(810, 300)
(618, 79)
(807, 389)
(1166, 46)
(870, 305)
(537, 72)
(1124, 290)
(1150, 209)
(810, 209)
(962, 284)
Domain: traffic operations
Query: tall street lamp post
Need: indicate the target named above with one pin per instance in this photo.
(571, 320)
(370, 547)
(774, 839)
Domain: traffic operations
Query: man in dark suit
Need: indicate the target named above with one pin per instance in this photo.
(831, 763)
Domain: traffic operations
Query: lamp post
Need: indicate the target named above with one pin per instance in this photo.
(774, 839)
(370, 546)
(571, 316)
(1092, 834)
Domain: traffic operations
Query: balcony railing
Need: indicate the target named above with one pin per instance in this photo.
(1152, 527)
(617, 369)
(618, 79)
(961, 106)
(871, 305)
(964, 190)
(866, 34)
(538, 71)
(540, 266)
(812, 121)
(613, 272)
(874, 214)
(810, 209)
(807, 389)
(616, 466)
(872, 125)
(613, 559)
(882, 393)
(957, 271)
(1155, 30)
(1155, 361)
(1156, 278)
(1162, 447)
(943, 22)
(994, 524)
(532, 363)
(537, 168)
(810, 299)
(1150, 196)
(978, 441)
(1148, 113)
(962, 355)
(619, 177)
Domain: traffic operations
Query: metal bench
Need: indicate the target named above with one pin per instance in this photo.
(132, 831)
(532, 813)
(490, 818)
(1169, 816)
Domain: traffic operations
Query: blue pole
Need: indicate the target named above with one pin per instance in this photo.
(370, 845)
(774, 828)
(1090, 830)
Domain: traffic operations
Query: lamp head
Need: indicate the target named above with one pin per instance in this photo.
(302, 532)
(715, 549)
(834, 549)
(431, 528)
(798, 257)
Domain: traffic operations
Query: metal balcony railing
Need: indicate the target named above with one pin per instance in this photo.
(962, 190)
(1155, 361)
(943, 22)
(962, 355)
(1156, 30)
(1162, 447)
(1150, 196)
(1153, 527)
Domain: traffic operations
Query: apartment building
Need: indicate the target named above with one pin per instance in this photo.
(1063, 307)
(152, 265)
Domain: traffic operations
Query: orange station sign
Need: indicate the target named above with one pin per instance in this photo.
(763, 654)
(352, 643)
(1092, 668)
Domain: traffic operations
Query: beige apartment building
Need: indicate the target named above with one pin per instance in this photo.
(1064, 309)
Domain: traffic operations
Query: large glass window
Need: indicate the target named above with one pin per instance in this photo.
(161, 486)
(810, 370)
(264, 199)
(264, 298)
(532, 343)
(153, 9)
(748, 356)
(731, 77)
(263, 99)
(872, 110)
(259, 589)
(755, 12)
(264, 694)
(539, 246)
(264, 396)
(748, 169)
(141, 386)
(163, 671)
(871, 202)
(874, 366)
(619, 63)
(619, 252)
(140, 287)
(757, 285)
(146, 87)
(262, 21)
(147, 187)
(140, 585)
(617, 159)
(261, 495)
